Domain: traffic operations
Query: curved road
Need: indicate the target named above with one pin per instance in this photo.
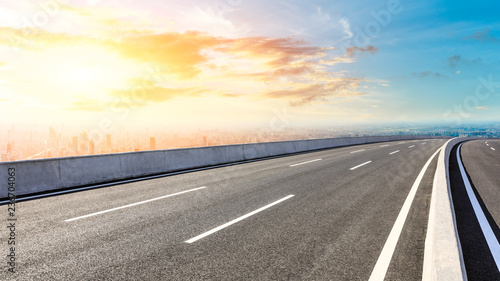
(323, 215)
(478, 225)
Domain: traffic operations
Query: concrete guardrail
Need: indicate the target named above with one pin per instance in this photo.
(443, 258)
(34, 176)
(443, 255)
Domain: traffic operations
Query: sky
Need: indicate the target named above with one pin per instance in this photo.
(248, 63)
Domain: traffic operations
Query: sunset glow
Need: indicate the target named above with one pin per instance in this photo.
(234, 64)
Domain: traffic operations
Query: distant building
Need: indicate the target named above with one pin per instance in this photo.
(92, 147)
(74, 145)
(84, 142)
(9, 148)
(52, 138)
(108, 141)
(205, 142)
(152, 143)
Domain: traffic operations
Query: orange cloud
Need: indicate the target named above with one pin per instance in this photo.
(351, 51)
(292, 71)
(280, 51)
(155, 94)
(304, 94)
(274, 61)
(179, 53)
(94, 105)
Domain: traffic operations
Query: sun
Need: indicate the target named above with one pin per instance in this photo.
(87, 70)
(83, 75)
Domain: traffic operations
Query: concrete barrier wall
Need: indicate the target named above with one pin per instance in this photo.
(443, 253)
(34, 176)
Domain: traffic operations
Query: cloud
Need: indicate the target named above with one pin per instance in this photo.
(301, 94)
(279, 51)
(179, 53)
(457, 60)
(220, 64)
(482, 108)
(136, 97)
(351, 51)
(93, 105)
(291, 71)
(154, 94)
(428, 73)
(482, 36)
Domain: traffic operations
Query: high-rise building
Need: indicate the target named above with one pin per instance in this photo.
(9, 148)
(91, 147)
(84, 142)
(152, 143)
(108, 141)
(52, 138)
(74, 145)
(205, 142)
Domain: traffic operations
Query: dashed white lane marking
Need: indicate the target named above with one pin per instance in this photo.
(492, 148)
(134, 204)
(194, 239)
(380, 269)
(411, 146)
(306, 162)
(424, 143)
(401, 142)
(384, 145)
(483, 222)
(355, 151)
(353, 168)
(394, 152)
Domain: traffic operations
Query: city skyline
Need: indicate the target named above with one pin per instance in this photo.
(54, 142)
(230, 63)
(105, 66)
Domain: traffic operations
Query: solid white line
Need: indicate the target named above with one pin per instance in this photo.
(380, 269)
(360, 165)
(394, 152)
(411, 146)
(134, 204)
(483, 222)
(357, 151)
(384, 145)
(306, 162)
(194, 239)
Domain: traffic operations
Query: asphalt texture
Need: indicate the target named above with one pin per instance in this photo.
(333, 228)
(482, 165)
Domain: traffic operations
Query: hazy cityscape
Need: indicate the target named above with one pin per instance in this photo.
(55, 141)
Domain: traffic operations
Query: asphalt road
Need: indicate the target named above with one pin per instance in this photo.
(481, 162)
(334, 227)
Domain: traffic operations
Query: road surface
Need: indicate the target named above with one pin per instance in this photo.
(324, 215)
(478, 238)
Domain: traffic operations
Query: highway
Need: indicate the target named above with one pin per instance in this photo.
(477, 207)
(323, 215)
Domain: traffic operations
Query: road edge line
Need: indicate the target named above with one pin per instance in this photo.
(490, 237)
(384, 260)
(443, 259)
